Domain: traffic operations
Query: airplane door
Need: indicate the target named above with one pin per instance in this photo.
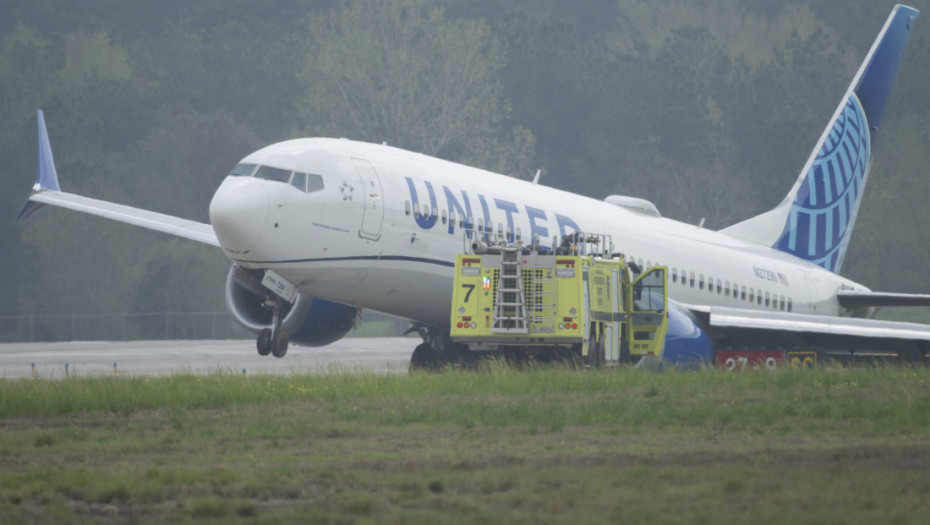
(373, 214)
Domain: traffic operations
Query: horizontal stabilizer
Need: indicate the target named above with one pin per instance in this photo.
(853, 300)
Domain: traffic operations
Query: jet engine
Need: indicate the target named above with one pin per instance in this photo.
(686, 343)
(309, 321)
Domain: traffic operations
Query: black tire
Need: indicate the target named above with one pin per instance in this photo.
(279, 349)
(423, 359)
(263, 343)
(595, 357)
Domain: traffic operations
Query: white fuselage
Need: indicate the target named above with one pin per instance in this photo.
(379, 235)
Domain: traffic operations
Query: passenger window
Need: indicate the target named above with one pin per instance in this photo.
(500, 231)
(789, 304)
(242, 170)
(268, 173)
(426, 211)
(719, 286)
(470, 224)
(416, 212)
(742, 293)
(752, 295)
(452, 218)
(444, 216)
(519, 237)
(314, 182)
(299, 181)
(767, 299)
(674, 275)
(701, 282)
(781, 303)
(726, 288)
(407, 208)
(692, 279)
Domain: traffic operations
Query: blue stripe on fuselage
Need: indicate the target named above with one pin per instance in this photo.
(425, 260)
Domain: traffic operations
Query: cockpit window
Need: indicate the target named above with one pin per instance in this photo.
(265, 172)
(242, 170)
(299, 181)
(314, 182)
(306, 182)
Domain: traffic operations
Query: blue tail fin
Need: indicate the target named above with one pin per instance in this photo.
(47, 177)
(816, 218)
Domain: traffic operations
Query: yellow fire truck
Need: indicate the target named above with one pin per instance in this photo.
(578, 299)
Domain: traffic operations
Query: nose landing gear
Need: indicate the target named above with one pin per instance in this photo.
(269, 343)
(273, 340)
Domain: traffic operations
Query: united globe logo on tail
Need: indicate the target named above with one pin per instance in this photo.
(827, 201)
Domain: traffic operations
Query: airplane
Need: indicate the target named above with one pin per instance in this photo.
(317, 229)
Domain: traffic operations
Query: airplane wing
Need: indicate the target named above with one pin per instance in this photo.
(48, 191)
(193, 230)
(738, 328)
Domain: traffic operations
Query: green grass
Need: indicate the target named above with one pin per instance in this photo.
(499, 446)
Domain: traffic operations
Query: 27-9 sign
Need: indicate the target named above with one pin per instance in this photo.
(745, 360)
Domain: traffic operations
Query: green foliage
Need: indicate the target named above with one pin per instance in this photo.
(398, 71)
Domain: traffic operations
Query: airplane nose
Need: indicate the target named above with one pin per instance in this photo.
(238, 213)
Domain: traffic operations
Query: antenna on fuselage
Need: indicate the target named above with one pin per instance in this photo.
(536, 177)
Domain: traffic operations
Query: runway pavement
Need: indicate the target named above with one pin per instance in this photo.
(55, 360)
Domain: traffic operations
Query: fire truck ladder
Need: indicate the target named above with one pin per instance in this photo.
(510, 306)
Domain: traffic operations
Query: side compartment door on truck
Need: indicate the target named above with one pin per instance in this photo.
(647, 303)
(470, 297)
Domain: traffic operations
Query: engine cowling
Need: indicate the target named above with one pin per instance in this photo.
(310, 321)
(686, 343)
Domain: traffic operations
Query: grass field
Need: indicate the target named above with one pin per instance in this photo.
(499, 446)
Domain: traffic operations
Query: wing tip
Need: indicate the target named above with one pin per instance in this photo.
(47, 176)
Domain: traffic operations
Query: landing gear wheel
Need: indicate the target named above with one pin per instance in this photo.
(264, 342)
(424, 359)
(279, 349)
